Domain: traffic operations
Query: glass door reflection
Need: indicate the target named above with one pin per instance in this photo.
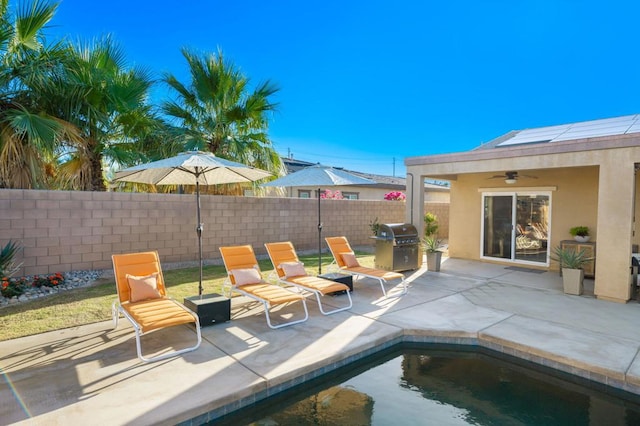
(516, 226)
(498, 213)
(532, 218)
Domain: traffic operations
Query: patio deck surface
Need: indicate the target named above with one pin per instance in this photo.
(91, 375)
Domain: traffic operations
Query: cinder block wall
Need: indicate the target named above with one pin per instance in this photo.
(441, 210)
(69, 230)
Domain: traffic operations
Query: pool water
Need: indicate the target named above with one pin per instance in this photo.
(442, 387)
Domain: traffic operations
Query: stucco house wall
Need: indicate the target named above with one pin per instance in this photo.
(593, 182)
(573, 202)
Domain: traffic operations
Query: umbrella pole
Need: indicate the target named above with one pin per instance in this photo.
(319, 237)
(199, 232)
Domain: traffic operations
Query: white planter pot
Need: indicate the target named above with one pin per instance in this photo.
(433, 261)
(580, 239)
(572, 280)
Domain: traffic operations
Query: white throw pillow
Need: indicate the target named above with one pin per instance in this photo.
(350, 260)
(293, 269)
(246, 276)
(143, 288)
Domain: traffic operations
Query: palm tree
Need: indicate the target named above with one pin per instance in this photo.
(217, 112)
(107, 102)
(27, 136)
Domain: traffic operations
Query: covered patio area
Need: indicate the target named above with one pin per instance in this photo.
(514, 199)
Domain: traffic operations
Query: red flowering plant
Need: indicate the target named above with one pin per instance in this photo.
(336, 195)
(53, 280)
(395, 196)
(11, 287)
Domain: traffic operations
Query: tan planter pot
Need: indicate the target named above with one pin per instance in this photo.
(433, 261)
(572, 281)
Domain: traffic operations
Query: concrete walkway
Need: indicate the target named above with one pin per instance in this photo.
(91, 375)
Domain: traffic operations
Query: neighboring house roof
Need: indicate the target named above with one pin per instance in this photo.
(382, 181)
(566, 132)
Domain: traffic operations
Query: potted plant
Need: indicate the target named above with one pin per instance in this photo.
(571, 262)
(430, 224)
(580, 233)
(434, 254)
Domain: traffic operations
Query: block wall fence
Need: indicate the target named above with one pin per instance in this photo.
(62, 231)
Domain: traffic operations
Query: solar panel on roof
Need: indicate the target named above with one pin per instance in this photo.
(581, 130)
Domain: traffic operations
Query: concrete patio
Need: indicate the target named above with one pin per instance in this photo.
(90, 374)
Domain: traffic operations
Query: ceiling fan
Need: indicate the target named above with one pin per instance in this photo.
(512, 177)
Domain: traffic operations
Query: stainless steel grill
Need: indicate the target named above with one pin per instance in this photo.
(397, 247)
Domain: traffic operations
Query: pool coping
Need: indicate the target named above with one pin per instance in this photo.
(514, 351)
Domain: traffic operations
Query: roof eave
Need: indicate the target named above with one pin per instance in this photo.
(577, 145)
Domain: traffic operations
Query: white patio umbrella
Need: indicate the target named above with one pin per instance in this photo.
(321, 176)
(192, 168)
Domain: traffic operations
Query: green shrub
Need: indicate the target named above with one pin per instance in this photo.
(8, 264)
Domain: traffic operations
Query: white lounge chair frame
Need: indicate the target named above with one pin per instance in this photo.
(252, 263)
(271, 250)
(362, 271)
(150, 265)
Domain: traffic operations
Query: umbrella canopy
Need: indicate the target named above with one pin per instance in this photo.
(192, 168)
(319, 175)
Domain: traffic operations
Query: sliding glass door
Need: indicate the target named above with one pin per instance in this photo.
(515, 226)
(498, 228)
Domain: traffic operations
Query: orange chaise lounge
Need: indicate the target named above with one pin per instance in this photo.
(347, 262)
(291, 271)
(142, 299)
(245, 278)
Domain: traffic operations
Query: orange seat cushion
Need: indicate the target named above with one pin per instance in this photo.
(378, 273)
(157, 313)
(320, 284)
(272, 293)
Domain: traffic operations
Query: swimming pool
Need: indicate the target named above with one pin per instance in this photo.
(441, 386)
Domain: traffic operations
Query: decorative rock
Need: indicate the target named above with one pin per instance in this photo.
(73, 279)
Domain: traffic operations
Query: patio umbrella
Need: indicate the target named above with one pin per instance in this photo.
(192, 168)
(319, 175)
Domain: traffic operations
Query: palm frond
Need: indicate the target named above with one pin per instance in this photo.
(30, 20)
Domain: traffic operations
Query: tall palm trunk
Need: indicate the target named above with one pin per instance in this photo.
(95, 160)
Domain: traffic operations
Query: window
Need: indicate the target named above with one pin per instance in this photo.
(350, 195)
(304, 193)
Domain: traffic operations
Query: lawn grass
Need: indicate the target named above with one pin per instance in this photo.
(91, 304)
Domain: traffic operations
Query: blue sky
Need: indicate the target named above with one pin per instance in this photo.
(366, 82)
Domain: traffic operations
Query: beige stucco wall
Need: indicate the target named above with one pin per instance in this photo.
(594, 185)
(636, 231)
(573, 203)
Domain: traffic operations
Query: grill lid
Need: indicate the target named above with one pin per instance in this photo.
(397, 230)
